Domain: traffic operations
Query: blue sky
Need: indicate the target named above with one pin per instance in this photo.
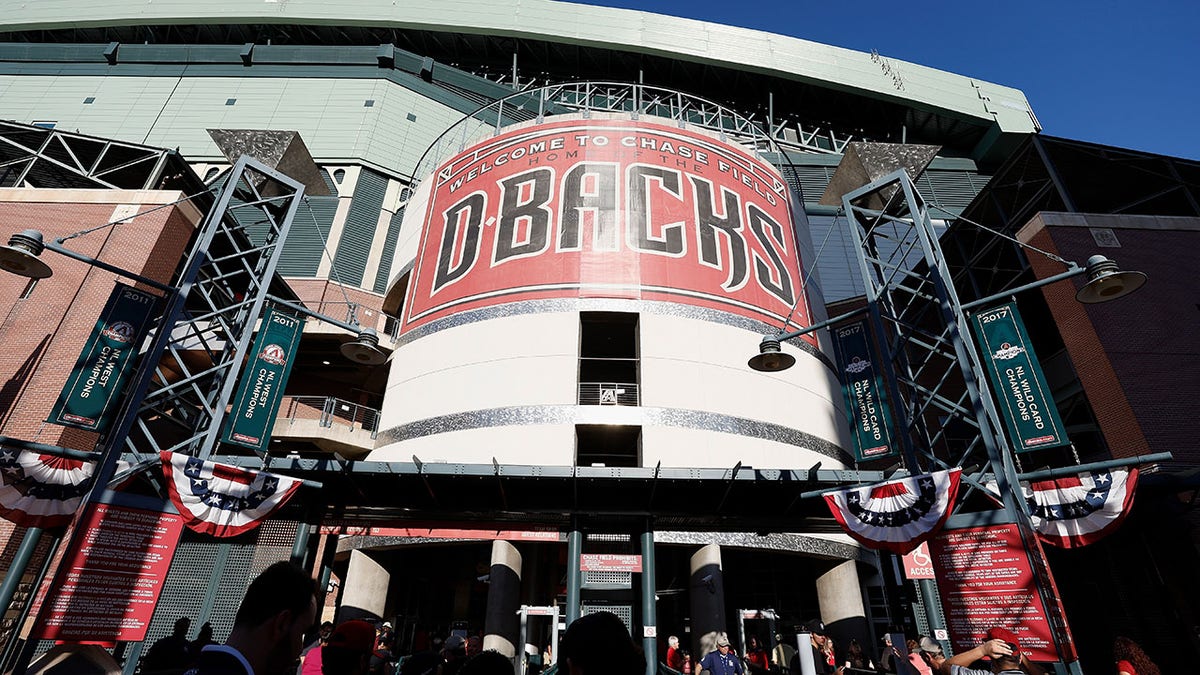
(1119, 73)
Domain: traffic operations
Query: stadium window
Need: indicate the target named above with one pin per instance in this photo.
(608, 358)
(230, 101)
(89, 100)
(45, 125)
(369, 103)
(608, 445)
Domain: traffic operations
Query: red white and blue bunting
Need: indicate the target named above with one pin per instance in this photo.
(897, 515)
(222, 500)
(1079, 510)
(41, 490)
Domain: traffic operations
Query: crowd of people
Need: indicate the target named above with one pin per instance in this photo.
(280, 607)
(999, 653)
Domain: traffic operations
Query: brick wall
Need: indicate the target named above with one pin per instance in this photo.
(1138, 357)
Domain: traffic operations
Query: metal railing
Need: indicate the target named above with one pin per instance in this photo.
(331, 412)
(608, 393)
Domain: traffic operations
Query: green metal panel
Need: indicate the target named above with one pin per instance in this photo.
(389, 252)
(305, 245)
(358, 232)
(573, 24)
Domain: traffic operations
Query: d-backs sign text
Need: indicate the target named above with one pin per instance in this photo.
(607, 208)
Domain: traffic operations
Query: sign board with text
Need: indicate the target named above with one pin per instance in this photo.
(1015, 373)
(608, 209)
(91, 395)
(106, 588)
(261, 388)
(918, 564)
(610, 562)
(985, 579)
(862, 387)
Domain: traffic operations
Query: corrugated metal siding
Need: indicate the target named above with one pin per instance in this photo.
(389, 252)
(305, 245)
(358, 233)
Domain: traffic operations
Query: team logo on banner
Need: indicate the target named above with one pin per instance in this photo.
(1025, 399)
(92, 392)
(897, 515)
(612, 209)
(862, 389)
(261, 389)
(223, 500)
(1079, 510)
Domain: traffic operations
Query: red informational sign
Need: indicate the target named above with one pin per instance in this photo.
(986, 581)
(918, 564)
(612, 209)
(442, 533)
(106, 588)
(609, 562)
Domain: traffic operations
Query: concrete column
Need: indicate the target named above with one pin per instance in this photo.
(365, 591)
(839, 595)
(502, 625)
(707, 596)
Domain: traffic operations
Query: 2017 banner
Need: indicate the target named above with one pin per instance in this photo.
(91, 395)
(1021, 389)
(863, 389)
(261, 390)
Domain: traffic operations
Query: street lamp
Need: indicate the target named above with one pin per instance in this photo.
(220, 258)
(1106, 281)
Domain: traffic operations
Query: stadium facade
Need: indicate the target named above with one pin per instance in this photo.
(583, 389)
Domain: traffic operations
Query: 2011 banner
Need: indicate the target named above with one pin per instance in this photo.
(863, 390)
(90, 397)
(1021, 389)
(261, 390)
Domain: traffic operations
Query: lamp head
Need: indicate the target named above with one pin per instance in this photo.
(1106, 281)
(771, 358)
(21, 255)
(365, 348)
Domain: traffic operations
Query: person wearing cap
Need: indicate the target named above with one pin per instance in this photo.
(721, 662)
(1003, 648)
(930, 653)
(348, 650)
(382, 654)
(455, 653)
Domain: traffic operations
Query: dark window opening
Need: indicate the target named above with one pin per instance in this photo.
(608, 359)
(608, 445)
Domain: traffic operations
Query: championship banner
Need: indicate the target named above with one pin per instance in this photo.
(261, 389)
(863, 391)
(897, 515)
(92, 392)
(609, 209)
(223, 500)
(985, 580)
(1079, 510)
(1025, 399)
